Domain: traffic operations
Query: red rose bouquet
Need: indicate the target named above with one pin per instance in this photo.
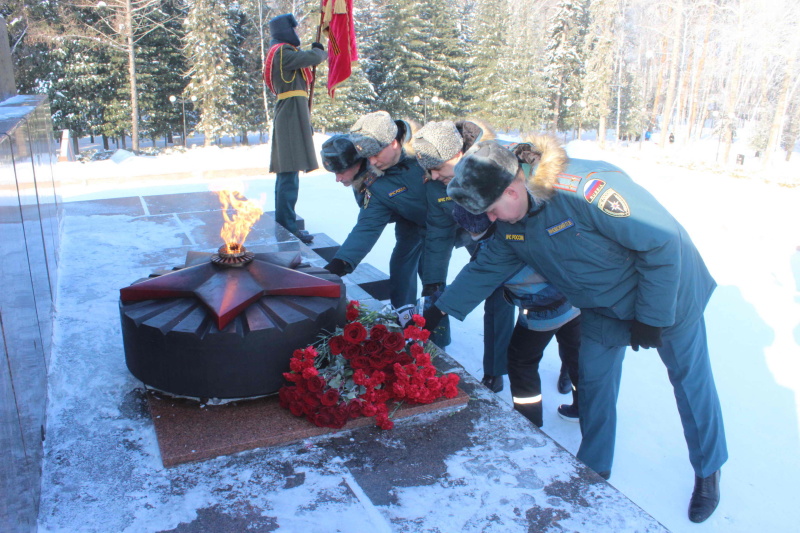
(367, 368)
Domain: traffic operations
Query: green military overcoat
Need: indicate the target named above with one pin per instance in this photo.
(292, 136)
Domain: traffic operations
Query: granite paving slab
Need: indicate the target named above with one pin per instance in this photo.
(191, 431)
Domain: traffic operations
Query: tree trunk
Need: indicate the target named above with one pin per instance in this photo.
(132, 76)
(672, 81)
(601, 130)
(780, 107)
(729, 118)
(701, 63)
(659, 86)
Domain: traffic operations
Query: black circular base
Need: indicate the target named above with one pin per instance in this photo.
(174, 344)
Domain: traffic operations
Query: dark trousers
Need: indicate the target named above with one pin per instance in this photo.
(498, 324)
(404, 264)
(287, 187)
(685, 354)
(524, 354)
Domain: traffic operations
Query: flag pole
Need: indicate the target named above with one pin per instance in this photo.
(314, 68)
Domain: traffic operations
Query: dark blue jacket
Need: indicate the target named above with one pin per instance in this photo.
(398, 193)
(607, 245)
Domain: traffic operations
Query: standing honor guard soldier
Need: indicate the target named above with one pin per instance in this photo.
(287, 73)
(619, 256)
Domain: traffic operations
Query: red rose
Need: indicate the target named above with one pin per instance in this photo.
(354, 332)
(354, 408)
(372, 347)
(360, 362)
(351, 314)
(336, 344)
(296, 408)
(330, 397)
(378, 332)
(394, 341)
(315, 384)
(352, 351)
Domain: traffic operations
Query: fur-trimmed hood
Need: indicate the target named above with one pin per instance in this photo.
(548, 158)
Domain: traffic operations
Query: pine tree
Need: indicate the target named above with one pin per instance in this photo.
(564, 62)
(598, 49)
(212, 75)
(161, 67)
(488, 76)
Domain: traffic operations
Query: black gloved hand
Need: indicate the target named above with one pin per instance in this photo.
(317, 45)
(645, 336)
(337, 266)
(432, 315)
(430, 289)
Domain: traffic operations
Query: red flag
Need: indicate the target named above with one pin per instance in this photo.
(337, 23)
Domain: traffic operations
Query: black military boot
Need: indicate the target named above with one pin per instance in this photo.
(564, 383)
(705, 497)
(531, 411)
(304, 236)
(493, 383)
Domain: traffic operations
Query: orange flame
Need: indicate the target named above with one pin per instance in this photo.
(239, 224)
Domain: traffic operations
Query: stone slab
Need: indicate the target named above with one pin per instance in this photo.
(372, 280)
(324, 246)
(188, 431)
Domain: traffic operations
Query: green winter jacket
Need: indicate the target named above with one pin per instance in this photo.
(398, 194)
(606, 244)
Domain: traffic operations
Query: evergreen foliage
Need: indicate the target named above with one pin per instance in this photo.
(564, 60)
(213, 77)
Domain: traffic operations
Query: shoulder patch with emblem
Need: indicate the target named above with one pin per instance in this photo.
(367, 196)
(397, 191)
(561, 226)
(592, 188)
(566, 182)
(515, 237)
(611, 203)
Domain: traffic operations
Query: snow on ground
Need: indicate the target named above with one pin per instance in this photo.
(748, 231)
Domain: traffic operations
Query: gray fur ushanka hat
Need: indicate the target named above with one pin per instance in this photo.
(482, 175)
(436, 143)
(373, 132)
(339, 153)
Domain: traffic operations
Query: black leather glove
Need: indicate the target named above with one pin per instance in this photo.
(337, 266)
(432, 315)
(317, 45)
(645, 336)
(430, 289)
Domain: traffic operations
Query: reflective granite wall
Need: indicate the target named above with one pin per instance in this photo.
(29, 229)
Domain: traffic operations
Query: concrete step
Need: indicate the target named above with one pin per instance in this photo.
(372, 280)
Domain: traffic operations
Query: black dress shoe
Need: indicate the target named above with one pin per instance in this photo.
(705, 497)
(564, 383)
(493, 383)
(605, 474)
(304, 236)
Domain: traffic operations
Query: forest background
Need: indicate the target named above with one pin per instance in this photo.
(139, 68)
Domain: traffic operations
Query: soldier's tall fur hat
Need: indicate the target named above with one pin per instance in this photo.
(339, 153)
(373, 132)
(282, 30)
(482, 175)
